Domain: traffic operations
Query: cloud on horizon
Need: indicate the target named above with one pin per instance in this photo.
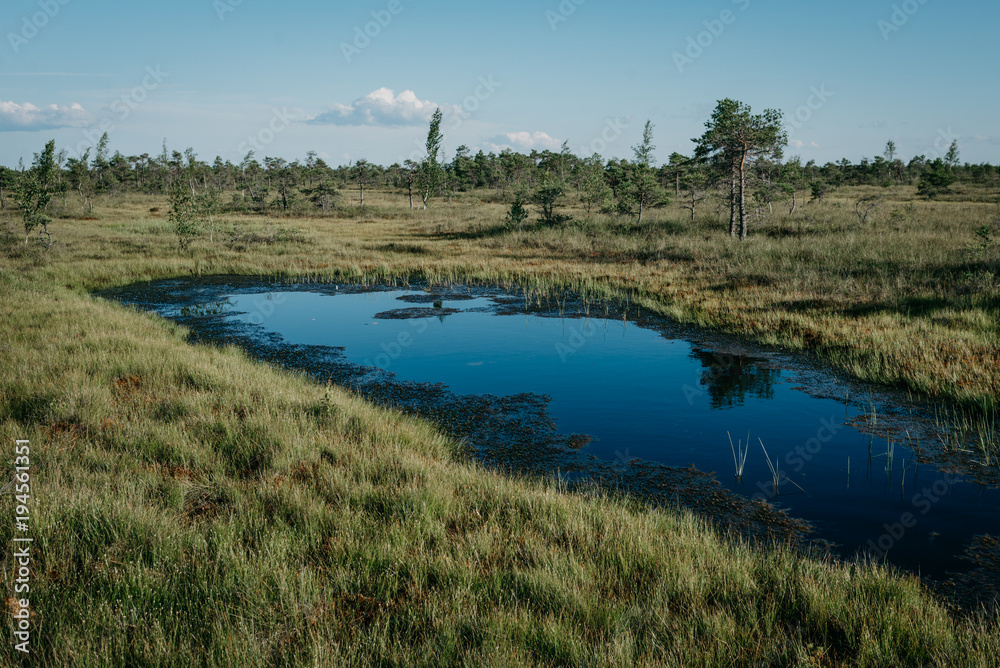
(798, 144)
(382, 108)
(526, 141)
(986, 139)
(27, 117)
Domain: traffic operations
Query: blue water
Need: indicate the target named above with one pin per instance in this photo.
(645, 395)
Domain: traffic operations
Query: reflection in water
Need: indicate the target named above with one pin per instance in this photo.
(856, 479)
(730, 378)
(219, 307)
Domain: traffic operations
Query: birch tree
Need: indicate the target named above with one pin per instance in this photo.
(430, 174)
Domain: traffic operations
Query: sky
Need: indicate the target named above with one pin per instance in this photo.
(361, 80)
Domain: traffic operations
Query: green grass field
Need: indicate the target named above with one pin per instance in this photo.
(192, 506)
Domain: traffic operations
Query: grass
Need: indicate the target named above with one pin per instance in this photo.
(195, 507)
(975, 435)
(775, 469)
(908, 299)
(740, 457)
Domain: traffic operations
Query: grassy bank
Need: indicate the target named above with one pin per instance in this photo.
(194, 507)
(911, 298)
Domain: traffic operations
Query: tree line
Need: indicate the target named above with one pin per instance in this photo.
(739, 154)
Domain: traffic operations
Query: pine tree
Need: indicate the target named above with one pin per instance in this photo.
(643, 186)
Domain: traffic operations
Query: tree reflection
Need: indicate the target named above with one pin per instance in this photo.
(730, 378)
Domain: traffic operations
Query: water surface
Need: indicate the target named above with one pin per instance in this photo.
(649, 393)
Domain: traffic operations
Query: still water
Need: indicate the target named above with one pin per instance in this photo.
(650, 393)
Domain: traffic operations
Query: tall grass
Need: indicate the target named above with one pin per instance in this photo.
(195, 507)
(908, 299)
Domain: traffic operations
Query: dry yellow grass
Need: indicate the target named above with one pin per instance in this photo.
(195, 507)
(905, 299)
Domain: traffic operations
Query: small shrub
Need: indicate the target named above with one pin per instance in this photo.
(182, 215)
(936, 181)
(819, 190)
(516, 214)
(547, 197)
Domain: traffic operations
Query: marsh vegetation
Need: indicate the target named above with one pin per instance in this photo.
(198, 507)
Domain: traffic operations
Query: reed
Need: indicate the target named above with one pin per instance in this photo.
(776, 475)
(739, 454)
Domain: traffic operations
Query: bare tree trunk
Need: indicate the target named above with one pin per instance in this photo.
(794, 203)
(677, 185)
(732, 201)
(410, 186)
(743, 199)
(362, 193)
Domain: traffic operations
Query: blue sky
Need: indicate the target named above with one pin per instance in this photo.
(227, 76)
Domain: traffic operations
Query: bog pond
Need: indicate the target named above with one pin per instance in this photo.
(560, 386)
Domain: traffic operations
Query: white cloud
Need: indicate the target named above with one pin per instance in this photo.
(383, 107)
(525, 141)
(798, 144)
(985, 139)
(27, 117)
